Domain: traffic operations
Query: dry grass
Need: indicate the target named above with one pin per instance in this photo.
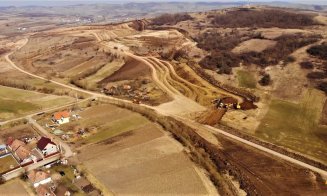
(137, 159)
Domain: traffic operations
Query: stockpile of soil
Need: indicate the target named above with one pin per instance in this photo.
(248, 105)
(213, 116)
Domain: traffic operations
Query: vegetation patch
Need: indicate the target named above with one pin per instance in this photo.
(319, 51)
(7, 162)
(246, 79)
(170, 19)
(263, 18)
(296, 126)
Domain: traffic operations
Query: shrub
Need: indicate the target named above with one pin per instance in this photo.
(323, 86)
(319, 51)
(306, 65)
(265, 80)
(289, 59)
(224, 61)
(316, 75)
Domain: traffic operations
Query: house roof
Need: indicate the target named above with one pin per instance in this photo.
(37, 176)
(43, 191)
(16, 144)
(23, 152)
(2, 146)
(43, 142)
(59, 115)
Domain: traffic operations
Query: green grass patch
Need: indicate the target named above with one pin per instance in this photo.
(16, 107)
(67, 179)
(296, 126)
(16, 102)
(246, 79)
(117, 127)
(6, 162)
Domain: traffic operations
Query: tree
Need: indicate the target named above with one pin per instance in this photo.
(265, 80)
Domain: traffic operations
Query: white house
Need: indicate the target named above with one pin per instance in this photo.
(38, 178)
(46, 146)
(61, 117)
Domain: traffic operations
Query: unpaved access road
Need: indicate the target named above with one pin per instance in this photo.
(323, 173)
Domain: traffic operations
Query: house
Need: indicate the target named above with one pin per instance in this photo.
(38, 178)
(20, 150)
(42, 190)
(46, 146)
(3, 149)
(61, 117)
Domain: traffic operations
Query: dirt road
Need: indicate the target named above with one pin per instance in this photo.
(199, 126)
(67, 150)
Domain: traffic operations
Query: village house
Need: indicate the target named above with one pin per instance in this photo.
(3, 149)
(44, 191)
(38, 178)
(61, 117)
(20, 150)
(46, 146)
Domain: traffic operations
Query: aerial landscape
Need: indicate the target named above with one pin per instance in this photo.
(163, 98)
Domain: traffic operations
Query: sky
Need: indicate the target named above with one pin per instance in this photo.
(34, 2)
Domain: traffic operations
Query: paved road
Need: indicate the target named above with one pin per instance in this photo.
(323, 173)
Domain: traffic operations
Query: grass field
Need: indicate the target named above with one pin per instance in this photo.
(296, 126)
(246, 79)
(16, 102)
(143, 161)
(6, 163)
(14, 187)
(108, 120)
(67, 178)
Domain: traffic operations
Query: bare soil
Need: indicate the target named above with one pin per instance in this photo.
(265, 173)
(137, 157)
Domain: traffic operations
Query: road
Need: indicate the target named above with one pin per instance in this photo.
(66, 148)
(46, 110)
(323, 173)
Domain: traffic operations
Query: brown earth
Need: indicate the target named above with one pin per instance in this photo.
(131, 70)
(137, 157)
(269, 175)
(17, 132)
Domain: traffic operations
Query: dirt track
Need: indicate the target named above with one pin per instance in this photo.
(188, 103)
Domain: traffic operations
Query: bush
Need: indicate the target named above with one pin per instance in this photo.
(306, 65)
(265, 80)
(323, 86)
(170, 19)
(286, 45)
(319, 51)
(316, 75)
(289, 59)
(224, 61)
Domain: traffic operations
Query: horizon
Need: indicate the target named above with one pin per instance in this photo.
(23, 3)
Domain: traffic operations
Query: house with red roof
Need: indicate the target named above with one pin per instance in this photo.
(61, 117)
(20, 150)
(47, 146)
(38, 178)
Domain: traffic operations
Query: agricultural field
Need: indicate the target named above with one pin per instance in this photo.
(14, 187)
(296, 126)
(97, 122)
(16, 102)
(136, 156)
